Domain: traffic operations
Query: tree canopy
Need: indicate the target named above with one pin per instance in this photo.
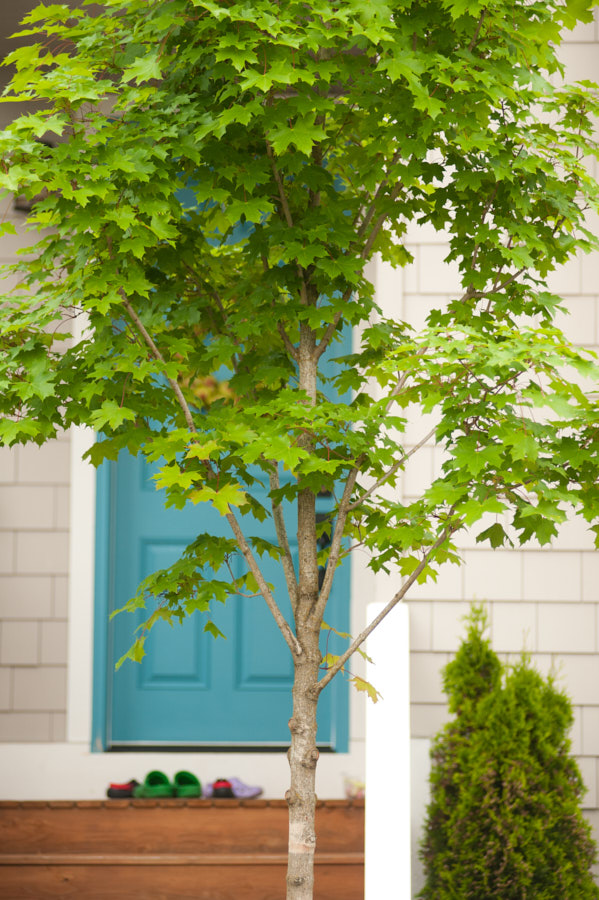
(222, 172)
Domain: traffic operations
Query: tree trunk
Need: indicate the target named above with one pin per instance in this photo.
(303, 754)
(303, 757)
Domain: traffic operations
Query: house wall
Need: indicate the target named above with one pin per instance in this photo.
(34, 533)
(544, 600)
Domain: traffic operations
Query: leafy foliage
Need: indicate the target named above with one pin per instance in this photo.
(504, 819)
(221, 176)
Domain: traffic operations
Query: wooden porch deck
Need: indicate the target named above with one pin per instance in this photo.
(171, 850)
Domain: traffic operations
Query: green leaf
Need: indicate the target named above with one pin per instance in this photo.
(495, 534)
(206, 450)
(222, 498)
(212, 629)
(303, 135)
(112, 414)
(143, 69)
(136, 652)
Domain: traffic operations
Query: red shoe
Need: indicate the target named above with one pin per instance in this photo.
(121, 791)
(222, 788)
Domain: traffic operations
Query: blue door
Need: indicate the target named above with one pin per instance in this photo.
(191, 689)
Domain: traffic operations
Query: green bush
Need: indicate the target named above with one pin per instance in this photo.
(504, 820)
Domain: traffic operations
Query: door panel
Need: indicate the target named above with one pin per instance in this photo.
(191, 688)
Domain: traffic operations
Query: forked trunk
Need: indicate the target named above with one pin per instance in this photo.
(301, 797)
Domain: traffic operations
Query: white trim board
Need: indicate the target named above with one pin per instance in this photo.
(70, 771)
(80, 649)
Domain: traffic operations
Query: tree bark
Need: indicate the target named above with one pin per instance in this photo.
(303, 756)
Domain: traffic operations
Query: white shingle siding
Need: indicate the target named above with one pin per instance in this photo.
(545, 601)
(34, 492)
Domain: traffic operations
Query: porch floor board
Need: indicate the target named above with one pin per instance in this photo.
(171, 850)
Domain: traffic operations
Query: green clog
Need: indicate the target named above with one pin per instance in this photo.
(156, 784)
(187, 785)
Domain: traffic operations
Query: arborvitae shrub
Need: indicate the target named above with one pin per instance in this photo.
(504, 821)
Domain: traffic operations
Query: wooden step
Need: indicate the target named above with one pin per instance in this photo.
(171, 849)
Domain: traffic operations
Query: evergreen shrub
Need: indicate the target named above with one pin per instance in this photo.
(504, 821)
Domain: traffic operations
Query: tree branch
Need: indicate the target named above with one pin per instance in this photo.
(378, 225)
(234, 582)
(280, 186)
(160, 358)
(318, 612)
(286, 212)
(332, 327)
(221, 306)
(486, 209)
(364, 253)
(372, 208)
(357, 642)
(477, 30)
(290, 639)
(291, 350)
(397, 465)
(281, 530)
(322, 346)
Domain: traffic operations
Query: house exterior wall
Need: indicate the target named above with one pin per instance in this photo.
(542, 600)
(34, 533)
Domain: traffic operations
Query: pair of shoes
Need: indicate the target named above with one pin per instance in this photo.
(121, 791)
(156, 784)
(231, 787)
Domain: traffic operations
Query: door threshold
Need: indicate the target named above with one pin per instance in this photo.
(206, 748)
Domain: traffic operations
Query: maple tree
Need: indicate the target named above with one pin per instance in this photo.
(221, 175)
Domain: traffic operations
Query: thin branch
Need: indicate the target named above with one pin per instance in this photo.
(357, 642)
(332, 327)
(317, 157)
(401, 381)
(379, 224)
(160, 358)
(290, 639)
(372, 209)
(291, 350)
(155, 351)
(335, 549)
(334, 138)
(281, 530)
(234, 582)
(397, 465)
(365, 250)
(477, 31)
(280, 186)
(287, 213)
(225, 316)
(486, 209)
(364, 253)
(504, 284)
(356, 546)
